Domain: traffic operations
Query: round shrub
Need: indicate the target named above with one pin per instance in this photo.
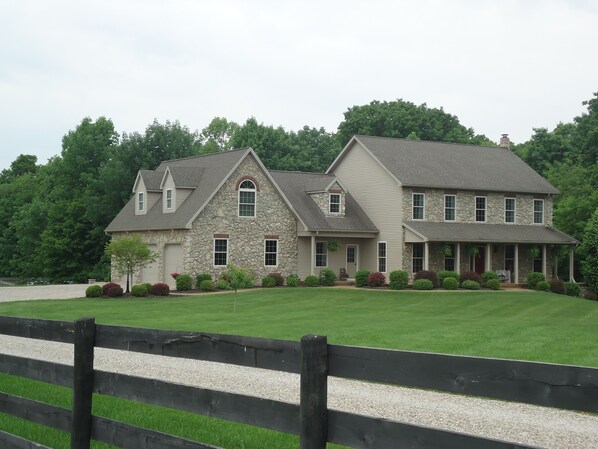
(278, 278)
(115, 292)
(203, 277)
(398, 280)
(487, 275)
(361, 278)
(448, 274)
(148, 286)
(376, 279)
(427, 274)
(108, 286)
(557, 286)
(493, 284)
(293, 281)
(533, 278)
(223, 285)
(311, 281)
(471, 276)
(589, 294)
(423, 284)
(268, 282)
(572, 289)
(470, 285)
(327, 277)
(450, 283)
(93, 291)
(160, 289)
(206, 285)
(543, 286)
(184, 282)
(139, 291)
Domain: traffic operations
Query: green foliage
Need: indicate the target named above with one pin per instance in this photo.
(398, 280)
(589, 249)
(533, 278)
(423, 284)
(333, 245)
(311, 281)
(148, 286)
(206, 285)
(470, 285)
(223, 285)
(448, 274)
(139, 291)
(488, 275)
(237, 277)
(278, 278)
(450, 283)
(293, 280)
(361, 278)
(184, 282)
(93, 291)
(543, 286)
(268, 282)
(160, 289)
(327, 277)
(129, 254)
(471, 276)
(557, 286)
(572, 289)
(202, 277)
(493, 284)
(376, 280)
(427, 274)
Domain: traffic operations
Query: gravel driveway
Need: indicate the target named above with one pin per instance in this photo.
(26, 293)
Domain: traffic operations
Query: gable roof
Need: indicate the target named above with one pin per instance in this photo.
(151, 180)
(296, 186)
(183, 177)
(417, 163)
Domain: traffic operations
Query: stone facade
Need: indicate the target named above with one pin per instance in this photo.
(322, 199)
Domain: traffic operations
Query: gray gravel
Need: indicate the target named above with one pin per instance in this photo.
(35, 292)
(519, 423)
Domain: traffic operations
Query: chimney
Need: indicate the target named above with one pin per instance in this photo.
(504, 141)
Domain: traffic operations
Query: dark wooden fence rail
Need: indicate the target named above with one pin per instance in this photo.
(561, 386)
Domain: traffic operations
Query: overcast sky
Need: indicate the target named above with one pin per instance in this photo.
(500, 66)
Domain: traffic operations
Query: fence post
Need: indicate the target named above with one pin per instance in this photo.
(313, 405)
(85, 332)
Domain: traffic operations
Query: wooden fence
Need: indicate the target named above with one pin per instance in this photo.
(567, 387)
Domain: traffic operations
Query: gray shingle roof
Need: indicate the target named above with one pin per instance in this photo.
(455, 166)
(186, 177)
(151, 179)
(489, 233)
(295, 186)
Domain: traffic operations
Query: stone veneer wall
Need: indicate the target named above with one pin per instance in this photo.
(322, 200)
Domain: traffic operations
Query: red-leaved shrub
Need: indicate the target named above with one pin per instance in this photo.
(376, 280)
(113, 292)
(160, 290)
(108, 286)
(429, 275)
(471, 276)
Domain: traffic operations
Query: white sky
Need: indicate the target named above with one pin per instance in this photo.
(499, 65)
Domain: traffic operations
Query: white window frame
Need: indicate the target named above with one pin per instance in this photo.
(244, 189)
(219, 252)
(413, 206)
(141, 202)
(485, 209)
(539, 201)
(385, 257)
(270, 252)
(325, 253)
(454, 208)
(423, 256)
(169, 199)
(514, 210)
(330, 203)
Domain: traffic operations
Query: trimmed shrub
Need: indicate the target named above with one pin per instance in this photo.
(589, 294)
(311, 281)
(293, 281)
(139, 291)
(268, 282)
(115, 292)
(448, 274)
(203, 277)
(184, 282)
(376, 279)
(223, 285)
(148, 286)
(493, 284)
(468, 284)
(327, 277)
(427, 274)
(93, 291)
(278, 278)
(398, 280)
(450, 283)
(160, 289)
(557, 286)
(533, 278)
(543, 286)
(487, 275)
(423, 284)
(572, 289)
(108, 286)
(361, 278)
(471, 276)
(206, 285)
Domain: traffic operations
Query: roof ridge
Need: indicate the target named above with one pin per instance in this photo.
(205, 155)
(439, 142)
(300, 172)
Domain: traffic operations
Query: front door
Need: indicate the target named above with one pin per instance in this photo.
(351, 260)
(479, 260)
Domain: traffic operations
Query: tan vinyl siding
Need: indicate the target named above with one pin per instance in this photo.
(304, 256)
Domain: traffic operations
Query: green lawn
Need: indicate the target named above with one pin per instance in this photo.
(519, 325)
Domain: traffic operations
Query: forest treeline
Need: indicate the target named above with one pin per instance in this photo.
(53, 215)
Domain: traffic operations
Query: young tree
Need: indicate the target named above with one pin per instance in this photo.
(129, 254)
(589, 248)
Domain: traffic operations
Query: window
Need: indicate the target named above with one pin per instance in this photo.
(418, 257)
(450, 207)
(480, 209)
(510, 259)
(509, 210)
(334, 203)
(220, 252)
(419, 200)
(168, 198)
(271, 253)
(141, 201)
(321, 254)
(537, 264)
(247, 199)
(382, 257)
(449, 260)
(538, 211)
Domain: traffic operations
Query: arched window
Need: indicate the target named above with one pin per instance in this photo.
(247, 199)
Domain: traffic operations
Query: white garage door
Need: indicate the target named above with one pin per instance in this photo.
(173, 262)
(149, 273)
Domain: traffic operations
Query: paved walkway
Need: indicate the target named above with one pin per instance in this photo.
(26, 293)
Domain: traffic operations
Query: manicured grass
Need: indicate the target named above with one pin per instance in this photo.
(519, 325)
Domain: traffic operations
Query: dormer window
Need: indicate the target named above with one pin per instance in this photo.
(168, 198)
(141, 202)
(334, 203)
(247, 199)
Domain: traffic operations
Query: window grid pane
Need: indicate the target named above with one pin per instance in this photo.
(480, 209)
(271, 253)
(509, 210)
(449, 261)
(247, 200)
(418, 257)
(382, 257)
(220, 252)
(450, 202)
(141, 201)
(321, 254)
(538, 211)
(335, 203)
(418, 206)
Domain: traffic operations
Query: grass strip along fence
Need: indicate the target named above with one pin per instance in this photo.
(560, 386)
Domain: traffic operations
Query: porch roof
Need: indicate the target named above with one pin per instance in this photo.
(485, 233)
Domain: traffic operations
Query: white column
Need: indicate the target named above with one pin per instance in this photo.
(488, 257)
(458, 257)
(313, 255)
(426, 255)
(544, 260)
(516, 264)
(571, 268)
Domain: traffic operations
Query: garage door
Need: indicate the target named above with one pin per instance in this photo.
(149, 273)
(173, 262)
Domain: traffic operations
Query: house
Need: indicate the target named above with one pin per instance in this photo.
(387, 203)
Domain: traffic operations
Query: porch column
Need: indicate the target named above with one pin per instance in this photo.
(313, 255)
(426, 255)
(544, 260)
(571, 257)
(488, 257)
(458, 258)
(516, 264)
